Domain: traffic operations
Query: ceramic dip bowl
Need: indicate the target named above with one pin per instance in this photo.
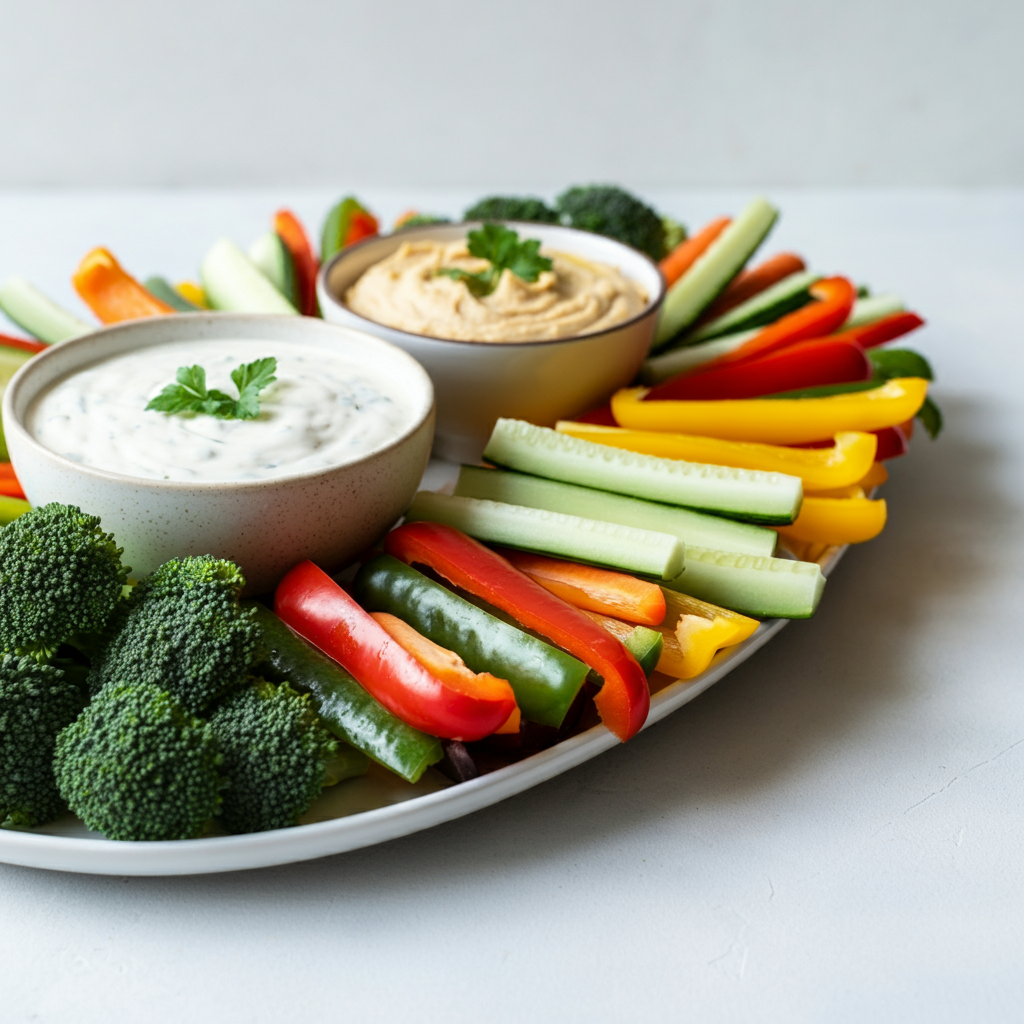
(540, 381)
(328, 513)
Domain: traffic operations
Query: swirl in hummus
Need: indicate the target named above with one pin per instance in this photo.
(574, 297)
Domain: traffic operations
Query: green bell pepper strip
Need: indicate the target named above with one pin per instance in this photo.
(544, 679)
(345, 707)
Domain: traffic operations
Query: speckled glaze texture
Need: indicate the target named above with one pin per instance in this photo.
(328, 515)
(477, 382)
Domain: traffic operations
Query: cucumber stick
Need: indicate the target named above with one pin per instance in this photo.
(31, 310)
(275, 263)
(166, 292)
(874, 307)
(766, 307)
(689, 357)
(762, 587)
(11, 361)
(744, 494)
(690, 527)
(726, 256)
(553, 533)
(233, 282)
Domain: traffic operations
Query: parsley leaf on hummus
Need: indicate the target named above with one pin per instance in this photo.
(501, 247)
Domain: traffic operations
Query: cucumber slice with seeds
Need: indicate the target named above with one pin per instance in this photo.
(32, 311)
(552, 533)
(233, 282)
(744, 494)
(777, 588)
(690, 527)
(275, 263)
(766, 307)
(703, 282)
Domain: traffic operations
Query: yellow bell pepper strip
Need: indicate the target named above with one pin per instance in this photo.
(11, 508)
(193, 293)
(853, 491)
(846, 462)
(837, 521)
(112, 293)
(775, 421)
(875, 477)
(448, 666)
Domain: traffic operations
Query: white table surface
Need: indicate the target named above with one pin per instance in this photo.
(833, 833)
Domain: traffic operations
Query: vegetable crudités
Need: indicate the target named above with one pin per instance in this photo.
(321, 411)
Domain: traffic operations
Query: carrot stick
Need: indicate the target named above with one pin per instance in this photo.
(687, 252)
(597, 590)
(112, 293)
(748, 283)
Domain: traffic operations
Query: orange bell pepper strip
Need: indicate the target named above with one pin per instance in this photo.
(290, 230)
(448, 666)
(623, 701)
(782, 421)
(748, 283)
(309, 602)
(688, 251)
(112, 293)
(837, 521)
(9, 485)
(596, 590)
(835, 295)
(845, 462)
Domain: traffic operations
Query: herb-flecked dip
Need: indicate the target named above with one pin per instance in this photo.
(408, 291)
(320, 412)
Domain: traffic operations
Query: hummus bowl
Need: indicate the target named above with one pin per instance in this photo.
(476, 382)
(328, 513)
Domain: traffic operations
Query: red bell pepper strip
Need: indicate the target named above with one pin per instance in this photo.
(314, 606)
(803, 365)
(290, 230)
(624, 699)
(748, 283)
(601, 416)
(687, 252)
(25, 344)
(881, 331)
(835, 296)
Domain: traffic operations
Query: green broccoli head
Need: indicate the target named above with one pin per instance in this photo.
(275, 754)
(183, 630)
(136, 765)
(60, 575)
(512, 208)
(612, 211)
(36, 702)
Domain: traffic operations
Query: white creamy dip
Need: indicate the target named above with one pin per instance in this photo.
(321, 411)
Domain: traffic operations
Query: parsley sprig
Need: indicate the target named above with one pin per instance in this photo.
(501, 247)
(190, 394)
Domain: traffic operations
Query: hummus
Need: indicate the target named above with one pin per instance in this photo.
(575, 297)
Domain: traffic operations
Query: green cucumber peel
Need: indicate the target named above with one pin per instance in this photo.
(37, 314)
(234, 283)
(689, 357)
(722, 261)
(785, 296)
(690, 527)
(554, 533)
(274, 261)
(11, 361)
(545, 680)
(166, 292)
(645, 645)
(764, 588)
(748, 495)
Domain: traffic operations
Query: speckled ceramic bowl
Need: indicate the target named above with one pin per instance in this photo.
(540, 381)
(266, 526)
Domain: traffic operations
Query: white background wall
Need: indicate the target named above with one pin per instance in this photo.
(523, 92)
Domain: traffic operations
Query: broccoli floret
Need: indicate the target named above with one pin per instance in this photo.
(672, 232)
(36, 702)
(512, 208)
(275, 754)
(612, 211)
(136, 765)
(60, 575)
(183, 630)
